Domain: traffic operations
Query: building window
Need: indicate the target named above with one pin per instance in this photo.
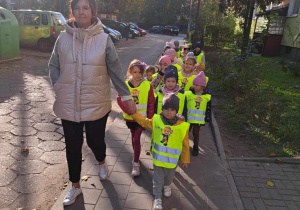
(293, 8)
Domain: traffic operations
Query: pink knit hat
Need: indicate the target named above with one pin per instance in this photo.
(170, 44)
(172, 53)
(200, 79)
(165, 59)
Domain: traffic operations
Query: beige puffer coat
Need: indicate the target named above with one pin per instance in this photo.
(83, 87)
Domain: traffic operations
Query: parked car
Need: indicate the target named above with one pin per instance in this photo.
(157, 29)
(114, 37)
(171, 30)
(39, 28)
(120, 27)
(134, 26)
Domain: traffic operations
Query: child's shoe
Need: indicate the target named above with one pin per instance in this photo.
(135, 169)
(157, 205)
(103, 171)
(195, 151)
(71, 196)
(167, 191)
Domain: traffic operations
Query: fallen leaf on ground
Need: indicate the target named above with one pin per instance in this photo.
(270, 183)
(148, 153)
(272, 154)
(278, 161)
(93, 185)
(25, 150)
(151, 168)
(242, 135)
(85, 178)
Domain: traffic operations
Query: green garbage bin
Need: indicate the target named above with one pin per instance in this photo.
(9, 36)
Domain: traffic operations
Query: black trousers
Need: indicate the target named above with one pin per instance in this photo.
(95, 133)
(196, 133)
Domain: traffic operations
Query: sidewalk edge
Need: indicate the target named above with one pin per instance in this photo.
(220, 148)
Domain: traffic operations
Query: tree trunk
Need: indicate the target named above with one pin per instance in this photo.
(247, 28)
(198, 26)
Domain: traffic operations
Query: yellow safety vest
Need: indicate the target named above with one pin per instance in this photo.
(167, 142)
(177, 66)
(185, 82)
(199, 57)
(196, 106)
(178, 54)
(140, 98)
(160, 99)
(180, 59)
(160, 86)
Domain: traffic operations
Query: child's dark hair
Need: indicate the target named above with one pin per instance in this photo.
(137, 63)
(151, 69)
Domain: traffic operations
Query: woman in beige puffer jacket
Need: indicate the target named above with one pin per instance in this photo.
(83, 61)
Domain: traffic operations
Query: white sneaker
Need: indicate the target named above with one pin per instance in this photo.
(71, 196)
(157, 204)
(103, 171)
(167, 191)
(135, 169)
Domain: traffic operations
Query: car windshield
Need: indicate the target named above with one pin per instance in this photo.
(58, 19)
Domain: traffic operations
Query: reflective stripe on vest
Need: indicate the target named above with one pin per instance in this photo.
(167, 142)
(185, 82)
(160, 99)
(166, 149)
(196, 106)
(199, 57)
(140, 98)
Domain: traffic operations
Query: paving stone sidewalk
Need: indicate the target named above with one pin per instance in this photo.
(251, 179)
(203, 185)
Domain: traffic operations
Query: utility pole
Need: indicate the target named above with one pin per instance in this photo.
(197, 34)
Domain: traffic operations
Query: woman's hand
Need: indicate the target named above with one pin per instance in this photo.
(131, 106)
(184, 165)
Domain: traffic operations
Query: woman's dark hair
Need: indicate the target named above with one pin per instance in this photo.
(92, 3)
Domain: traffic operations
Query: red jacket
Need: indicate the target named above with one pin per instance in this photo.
(150, 106)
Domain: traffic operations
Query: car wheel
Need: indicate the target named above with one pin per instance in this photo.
(44, 45)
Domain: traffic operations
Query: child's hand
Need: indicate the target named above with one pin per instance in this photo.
(181, 117)
(184, 165)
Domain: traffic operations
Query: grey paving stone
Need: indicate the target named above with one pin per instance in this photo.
(30, 183)
(5, 119)
(139, 201)
(5, 111)
(117, 136)
(221, 201)
(110, 160)
(5, 127)
(92, 183)
(54, 157)
(143, 183)
(6, 148)
(292, 176)
(49, 146)
(90, 195)
(21, 114)
(248, 189)
(239, 170)
(249, 182)
(114, 191)
(6, 161)
(22, 122)
(20, 107)
(264, 193)
(32, 154)
(49, 136)
(239, 181)
(250, 194)
(128, 149)
(259, 204)
(274, 202)
(114, 144)
(172, 202)
(279, 185)
(277, 208)
(291, 198)
(248, 203)
(29, 167)
(241, 164)
(7, 176)
(296, 183)
(7, 196)
(123, 167)
(290, 168)
(196, 179)
(289, 192)
(18, 101)
(275, 194)
(46, 127)
(24, 141)
(115, 130)
(109, 204)
(120, 178)
(292, 205)
(232, 164)
(288, 184)
(23, 131)
(113, 152)
(125, 157)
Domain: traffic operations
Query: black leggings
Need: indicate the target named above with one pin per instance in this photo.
(95, 133)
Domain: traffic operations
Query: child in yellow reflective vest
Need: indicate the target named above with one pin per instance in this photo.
(199, 53)
(171, 86)
(186, 75)
(197, 99)
(150, 70)
(142, 95)
(170, 142)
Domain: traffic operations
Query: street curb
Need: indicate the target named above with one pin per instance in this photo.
(283, 160)
(219, 144)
